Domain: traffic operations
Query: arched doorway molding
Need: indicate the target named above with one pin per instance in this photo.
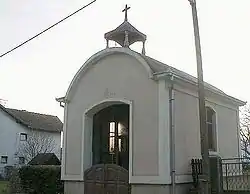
(87, 134)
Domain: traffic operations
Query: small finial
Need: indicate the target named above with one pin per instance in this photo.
(126, 12)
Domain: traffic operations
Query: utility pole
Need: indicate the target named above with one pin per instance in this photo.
(202, 108)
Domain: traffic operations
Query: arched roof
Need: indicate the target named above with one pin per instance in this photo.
(152, 67)
(104, 53)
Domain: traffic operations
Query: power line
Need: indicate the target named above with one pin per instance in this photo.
(46, 29)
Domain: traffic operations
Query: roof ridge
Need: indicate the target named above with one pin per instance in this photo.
(162, 63)
(33, 120)
(207, 84)
(31, 112)
(7, 110)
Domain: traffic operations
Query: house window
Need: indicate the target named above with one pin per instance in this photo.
(23, 137)
(211, 128)
(4, 159)
(21, 160)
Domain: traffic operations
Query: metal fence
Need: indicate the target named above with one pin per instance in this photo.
(215, 174)
(236, 174)
(196, 165)
(228, 176)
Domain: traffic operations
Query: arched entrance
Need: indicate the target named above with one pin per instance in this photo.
(110, 152)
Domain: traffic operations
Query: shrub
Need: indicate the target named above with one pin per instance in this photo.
(8, 171)
(14, 182)
(41, 179)
(4, 187)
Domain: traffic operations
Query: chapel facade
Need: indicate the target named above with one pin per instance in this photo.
(131, 123)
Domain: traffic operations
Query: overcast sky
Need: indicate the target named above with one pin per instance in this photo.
(34, 75)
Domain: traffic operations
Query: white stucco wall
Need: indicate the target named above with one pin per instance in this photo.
(227, 120)
(10, 138)
(57, 137)
(186, 131)
(122, 76)
(117, 76)
(187, 137)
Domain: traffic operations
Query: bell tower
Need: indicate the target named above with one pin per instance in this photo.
(126, 34)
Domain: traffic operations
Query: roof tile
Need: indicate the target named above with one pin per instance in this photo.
(35, 120)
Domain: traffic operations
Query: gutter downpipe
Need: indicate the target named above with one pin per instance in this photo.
(171, 75)
(163, 75)
(172, 133)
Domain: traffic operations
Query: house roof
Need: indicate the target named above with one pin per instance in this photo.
(45, 159)
(158, 67)
(35, 121)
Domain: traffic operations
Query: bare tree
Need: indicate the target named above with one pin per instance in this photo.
(36, 143)
(245, 130)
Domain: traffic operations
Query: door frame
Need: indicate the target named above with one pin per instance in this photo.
(87, 135)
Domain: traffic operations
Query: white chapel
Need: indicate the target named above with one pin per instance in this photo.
(131, 123)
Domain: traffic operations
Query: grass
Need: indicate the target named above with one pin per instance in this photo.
(3, 187)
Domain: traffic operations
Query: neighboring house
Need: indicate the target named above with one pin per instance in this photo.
(140, 115)
(15, 128)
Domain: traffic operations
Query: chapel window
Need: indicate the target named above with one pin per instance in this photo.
(111, 137)
(211, 128)
(121, 133)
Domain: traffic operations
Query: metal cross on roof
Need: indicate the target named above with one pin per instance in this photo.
(126, 12)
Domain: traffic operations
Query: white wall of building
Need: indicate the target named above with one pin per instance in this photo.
(118, 76)
(10, 132)
(122, 76)
(9, 137)
(187, 128)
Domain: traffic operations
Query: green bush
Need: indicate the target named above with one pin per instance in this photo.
(8, 171)
(41, 179)
(4, 187)
(15, 182)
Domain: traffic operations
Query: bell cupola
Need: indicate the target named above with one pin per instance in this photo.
(126, 34)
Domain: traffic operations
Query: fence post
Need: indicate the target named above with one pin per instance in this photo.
(226, 176)
(215, 174)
